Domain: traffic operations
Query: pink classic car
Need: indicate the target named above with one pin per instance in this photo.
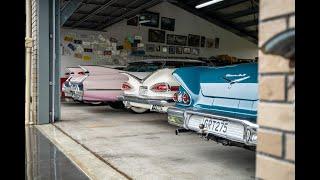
(71, 73)
(100, 84)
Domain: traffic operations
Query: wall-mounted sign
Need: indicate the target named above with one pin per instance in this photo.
(76, 41)
(78, 55)
(87, 50)
(86, 58)
(68, 38)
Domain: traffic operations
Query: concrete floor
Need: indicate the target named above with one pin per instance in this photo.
(144, 146)
(45, 161)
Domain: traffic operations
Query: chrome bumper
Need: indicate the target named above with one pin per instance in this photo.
(158, 102)
(180, 117)
(77, 95)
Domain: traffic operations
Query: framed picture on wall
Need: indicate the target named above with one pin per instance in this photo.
(210, 43)
(179, 50)
(133, 21)
(150, 19)
(164, 49)
(203, 41)
(172, 50)
(216, 43)
(193, 40)
(177, 40)
(157, 36)
(158, 48)
(195, 51)
(186, 50)
(150, 47)
(167, 23)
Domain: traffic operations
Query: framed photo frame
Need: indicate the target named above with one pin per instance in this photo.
(179, 50)
(158, 36)
(203, 41)
(167, 23)
(195, 51)
(179, 40)
(216, 43)
(133, 21)
(150, 19)
(164, 49)
(150, 47)
(210, 43)
(172, 49)
(186, 50)
(193, 40)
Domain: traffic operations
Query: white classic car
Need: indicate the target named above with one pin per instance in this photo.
(154, 92)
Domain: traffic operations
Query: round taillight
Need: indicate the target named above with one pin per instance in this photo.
(185, 98)
(175, 97)
(125, 86)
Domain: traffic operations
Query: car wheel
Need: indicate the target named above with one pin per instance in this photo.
(116, 105)
(138, 110)
(94, 103)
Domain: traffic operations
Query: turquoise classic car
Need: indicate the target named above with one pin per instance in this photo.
(220, 103)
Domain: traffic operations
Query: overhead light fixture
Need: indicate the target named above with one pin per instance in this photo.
(207, 3)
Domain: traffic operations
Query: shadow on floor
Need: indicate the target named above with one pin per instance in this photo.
(45, 161)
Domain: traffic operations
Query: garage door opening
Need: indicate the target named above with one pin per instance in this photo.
(105, 48)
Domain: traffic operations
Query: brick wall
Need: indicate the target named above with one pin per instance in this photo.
(34, 60)
(276, 117)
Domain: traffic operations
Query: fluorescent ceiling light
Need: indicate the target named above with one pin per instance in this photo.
(207, 3)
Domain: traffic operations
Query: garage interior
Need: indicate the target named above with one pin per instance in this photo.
(103, 142)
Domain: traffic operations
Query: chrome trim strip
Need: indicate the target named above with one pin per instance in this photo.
(102, 89)
(160, 102)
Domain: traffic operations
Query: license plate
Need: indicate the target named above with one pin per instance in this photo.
(156, 108)
(143, 90)
(215, 126)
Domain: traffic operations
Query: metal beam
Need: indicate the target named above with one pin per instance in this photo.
(132, 2)
(217, 21)
(248, 23)
(130, 13)
(241, 13)
(97, 15)
(99, 9)
(113, 6)
(224, 4)
(68, 10)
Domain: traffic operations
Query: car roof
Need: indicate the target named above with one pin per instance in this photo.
(166, 60)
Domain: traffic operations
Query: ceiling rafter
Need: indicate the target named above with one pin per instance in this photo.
(96, 11)
(241, 13)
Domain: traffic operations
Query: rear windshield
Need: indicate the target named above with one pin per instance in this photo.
(178, 64)
(144, 66)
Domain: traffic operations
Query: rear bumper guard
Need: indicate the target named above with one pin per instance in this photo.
(158, 102)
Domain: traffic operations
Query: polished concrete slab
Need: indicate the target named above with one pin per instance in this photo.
(45, 161)
(89, 163)
(144, 146)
